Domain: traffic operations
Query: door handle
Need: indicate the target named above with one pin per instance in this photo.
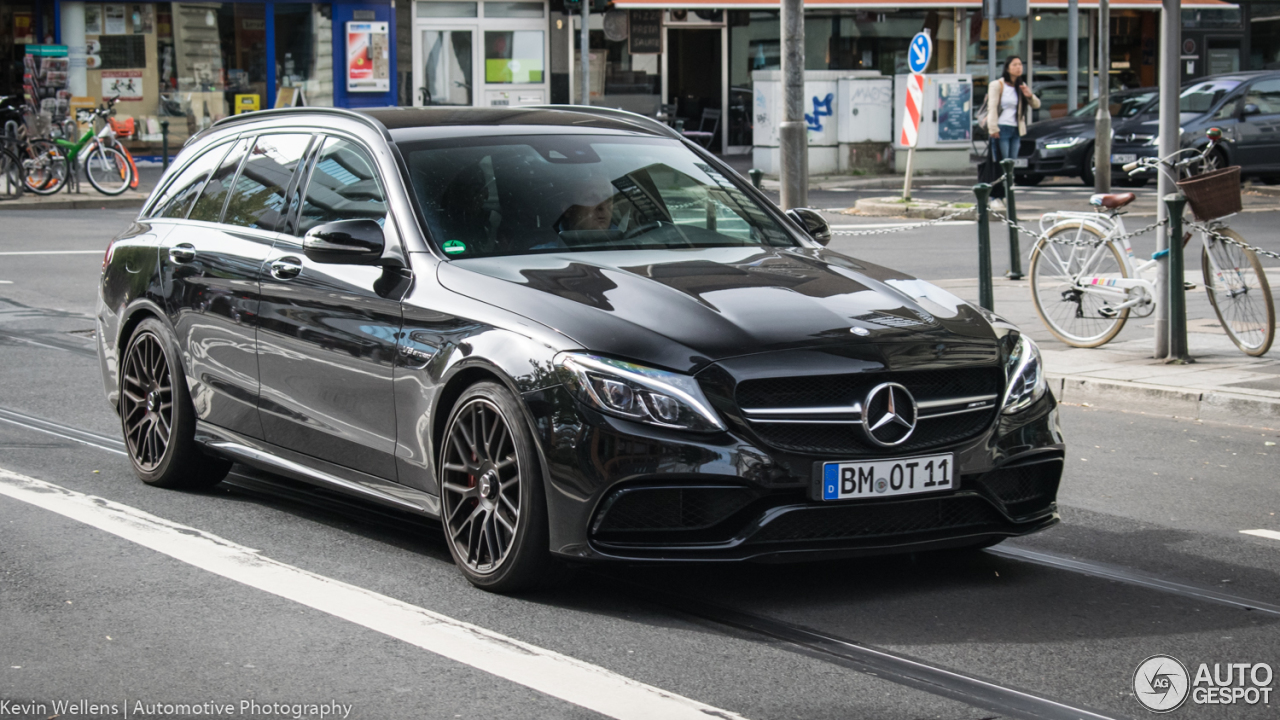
(286, 268)
(184, 253)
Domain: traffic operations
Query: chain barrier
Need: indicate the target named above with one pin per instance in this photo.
(1090, 241)
(1232, 241)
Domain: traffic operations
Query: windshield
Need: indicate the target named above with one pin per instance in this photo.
(1201, 97)
(519, 195)
(1123, 105)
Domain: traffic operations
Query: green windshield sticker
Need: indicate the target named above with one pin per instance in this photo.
(453, 247)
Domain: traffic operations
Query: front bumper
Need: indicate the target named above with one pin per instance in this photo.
(618, 490)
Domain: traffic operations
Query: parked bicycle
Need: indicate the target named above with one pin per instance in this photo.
(39, 165)
(1086, 281)
(109, 170)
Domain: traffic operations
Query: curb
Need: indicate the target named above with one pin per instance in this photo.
(1217, 405)
(885, 182)
(882, 207)
(60, 202)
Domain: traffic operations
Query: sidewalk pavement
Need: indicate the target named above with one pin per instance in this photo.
(1223, 384)
(87, 199)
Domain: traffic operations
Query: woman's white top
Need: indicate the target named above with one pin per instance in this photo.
(1008, 105)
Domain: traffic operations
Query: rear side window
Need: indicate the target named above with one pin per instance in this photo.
(182, 192)
(209, 206)
(343, 186)
(261, 192)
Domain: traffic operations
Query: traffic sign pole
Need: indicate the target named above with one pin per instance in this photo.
(918, 54)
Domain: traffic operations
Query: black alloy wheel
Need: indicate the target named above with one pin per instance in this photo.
(1088, 167)
(157, 417)
(493, 505)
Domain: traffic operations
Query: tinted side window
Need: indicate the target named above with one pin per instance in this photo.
(258, 200)
(343, 186)
(182, 192)
(209, 206)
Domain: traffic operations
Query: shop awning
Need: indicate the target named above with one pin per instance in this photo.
(887, 6)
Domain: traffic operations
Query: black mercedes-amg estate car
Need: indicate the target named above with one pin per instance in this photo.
(567, 334)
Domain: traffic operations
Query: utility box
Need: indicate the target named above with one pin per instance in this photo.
(767, 114)
(865, 122)
(945, 139)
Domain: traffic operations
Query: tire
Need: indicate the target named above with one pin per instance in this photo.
(1216, 161)
(47, 169)
(492, 501)
(1030, 180)
(11, 183)
(1072, 316)
(1240, 295)
(1135, 182)
(108, 170)
(156, 415)
(1087, 167)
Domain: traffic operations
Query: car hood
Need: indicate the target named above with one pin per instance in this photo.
(1060, 127)
(683, 309)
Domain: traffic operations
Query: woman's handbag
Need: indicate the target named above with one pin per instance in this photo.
(989, 171)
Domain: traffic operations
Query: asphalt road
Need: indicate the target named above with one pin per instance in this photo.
(1149, 559)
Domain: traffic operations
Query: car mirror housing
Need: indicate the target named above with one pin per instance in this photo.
(813, 223)
(1250, 109)
(348, 242)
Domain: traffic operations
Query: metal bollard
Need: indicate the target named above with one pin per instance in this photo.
(1178, 354)
(164, 144)
(757, 177)
(1011, 209)
(985, 294)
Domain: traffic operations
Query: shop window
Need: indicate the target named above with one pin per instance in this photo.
(513, 56)
(181, 193)
(209, 207)
(258, 200)
(514, 10)
(1213, 18)
(449, 76)
(343, 186)
(447, 9)
(304, 55)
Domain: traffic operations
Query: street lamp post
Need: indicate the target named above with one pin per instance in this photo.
(1102, 123)
(1170, 139)
(792, 131)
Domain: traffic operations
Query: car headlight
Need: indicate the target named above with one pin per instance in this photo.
(1063, 143)
(636, 392)
(1026, 376)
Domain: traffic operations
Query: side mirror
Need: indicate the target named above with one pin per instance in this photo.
(347, 242)
(1250, 109)
(813, 223)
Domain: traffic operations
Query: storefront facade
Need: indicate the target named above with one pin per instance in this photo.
(192, 63)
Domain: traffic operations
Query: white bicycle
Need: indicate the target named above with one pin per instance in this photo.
(1086, 281)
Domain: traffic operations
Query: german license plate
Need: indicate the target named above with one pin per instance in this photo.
(1020, 162)
(1122, 158)
(884, 478)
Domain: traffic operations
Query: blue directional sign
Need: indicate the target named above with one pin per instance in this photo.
(919, 53)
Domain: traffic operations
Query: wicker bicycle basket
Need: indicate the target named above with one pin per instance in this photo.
(1214, 194)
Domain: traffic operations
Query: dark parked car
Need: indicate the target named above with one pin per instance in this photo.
(1245, 106)
(1064, 146)
(567, 334)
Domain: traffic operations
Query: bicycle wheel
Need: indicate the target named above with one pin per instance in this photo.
(47, 169)
(10, 175)
(108, 170)
(1072, 312)
(1240, 294)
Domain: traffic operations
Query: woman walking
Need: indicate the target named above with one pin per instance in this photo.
(1007, 103)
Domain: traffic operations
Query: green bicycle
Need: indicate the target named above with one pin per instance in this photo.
(107, 168)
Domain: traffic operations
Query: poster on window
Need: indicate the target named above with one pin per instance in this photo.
(368, 57)
(115, 22)
(92, 19)
(127, 84)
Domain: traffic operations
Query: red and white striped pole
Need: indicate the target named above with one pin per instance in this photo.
(911, 126)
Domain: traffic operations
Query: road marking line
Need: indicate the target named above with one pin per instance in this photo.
(53, 252)
(1269, 534)
(560, 676)
(6, 282)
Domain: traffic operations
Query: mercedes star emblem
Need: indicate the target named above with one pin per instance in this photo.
(889, 414)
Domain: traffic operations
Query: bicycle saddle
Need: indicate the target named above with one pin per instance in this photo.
(1112, 201)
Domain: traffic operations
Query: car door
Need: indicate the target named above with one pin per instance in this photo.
(211, 282)
(1258, 127)
(328, 340)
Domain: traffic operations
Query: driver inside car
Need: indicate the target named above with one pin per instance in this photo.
(590, 205)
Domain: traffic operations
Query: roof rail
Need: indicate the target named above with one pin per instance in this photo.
(622, 115)
(341, 112)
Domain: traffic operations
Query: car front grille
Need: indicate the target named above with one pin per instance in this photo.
(834, 437)
(878, 520)
(681, 510)
(1024, 488)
